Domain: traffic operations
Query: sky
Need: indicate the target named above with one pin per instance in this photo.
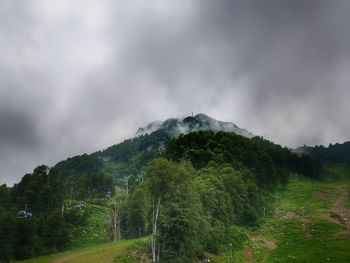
(77, 76)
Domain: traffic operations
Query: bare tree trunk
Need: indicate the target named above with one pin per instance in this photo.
(155, 256)
(158, 252)
(62, 211)
(153, 235)
(114, 222)
(118, 228)
(71, 196)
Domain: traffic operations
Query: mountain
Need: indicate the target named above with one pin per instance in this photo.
(208, 185)
(200, 122)
(126, 160)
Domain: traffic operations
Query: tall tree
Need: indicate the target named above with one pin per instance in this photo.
(7, 235)
(136, 220)
(177, 219)
(158, 174)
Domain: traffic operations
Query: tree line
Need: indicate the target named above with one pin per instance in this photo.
(204, 186)
(34, 216)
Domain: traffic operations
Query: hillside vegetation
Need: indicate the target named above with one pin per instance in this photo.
(333, 154)
(121, 252)
(310, 224)
(305, 226)
(192, 196)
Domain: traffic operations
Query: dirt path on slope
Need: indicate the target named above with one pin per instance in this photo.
(305, 222)
(339, 214)
(260, 241)
(248, 255)
(340, 209)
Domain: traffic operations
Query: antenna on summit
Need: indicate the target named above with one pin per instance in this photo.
(192, 114)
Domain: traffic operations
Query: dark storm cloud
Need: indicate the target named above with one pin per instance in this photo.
(78, 76)
(278, 67)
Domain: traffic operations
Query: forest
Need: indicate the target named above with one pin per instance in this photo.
(196, 192)
(338, 153)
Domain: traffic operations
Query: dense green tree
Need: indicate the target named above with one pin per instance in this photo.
(41, 194)
(136, 213)
(218, 203)
(7, 235)
(338, 153)
(54, 231)
(158, 175)
(5, 197)
(269, 163)
(96, 185)
(27, 244)
(177, 218)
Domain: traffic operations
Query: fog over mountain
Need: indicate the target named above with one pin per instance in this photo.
(78, 76)
(200, 122)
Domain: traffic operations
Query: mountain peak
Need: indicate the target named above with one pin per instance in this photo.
(199, 122)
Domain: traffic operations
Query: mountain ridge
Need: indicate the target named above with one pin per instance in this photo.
(199, 122)
(127, 158)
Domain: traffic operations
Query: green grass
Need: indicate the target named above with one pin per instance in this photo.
(95, 229)
(105, 253)
(322, 246)
(319, 242)
(216, 258)
(300, 196)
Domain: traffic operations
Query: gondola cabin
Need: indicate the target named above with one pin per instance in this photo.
(23, 214)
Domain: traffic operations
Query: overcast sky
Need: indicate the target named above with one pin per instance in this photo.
(79, 76)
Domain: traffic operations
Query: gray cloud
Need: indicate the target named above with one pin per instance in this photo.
(78, 76)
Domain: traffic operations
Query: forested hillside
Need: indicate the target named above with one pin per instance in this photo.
(190, 194)
(126, 160)
(338, 153)
(213, 183)
(31, 221)
(89, 176)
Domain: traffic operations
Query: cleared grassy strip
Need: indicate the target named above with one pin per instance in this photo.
(302, 196)
(105, 253)
(95, 230)
(322, 246)
(299, 230)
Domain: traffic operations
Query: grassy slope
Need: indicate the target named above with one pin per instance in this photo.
(301, 230)
(94, 232)
(97, 254)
